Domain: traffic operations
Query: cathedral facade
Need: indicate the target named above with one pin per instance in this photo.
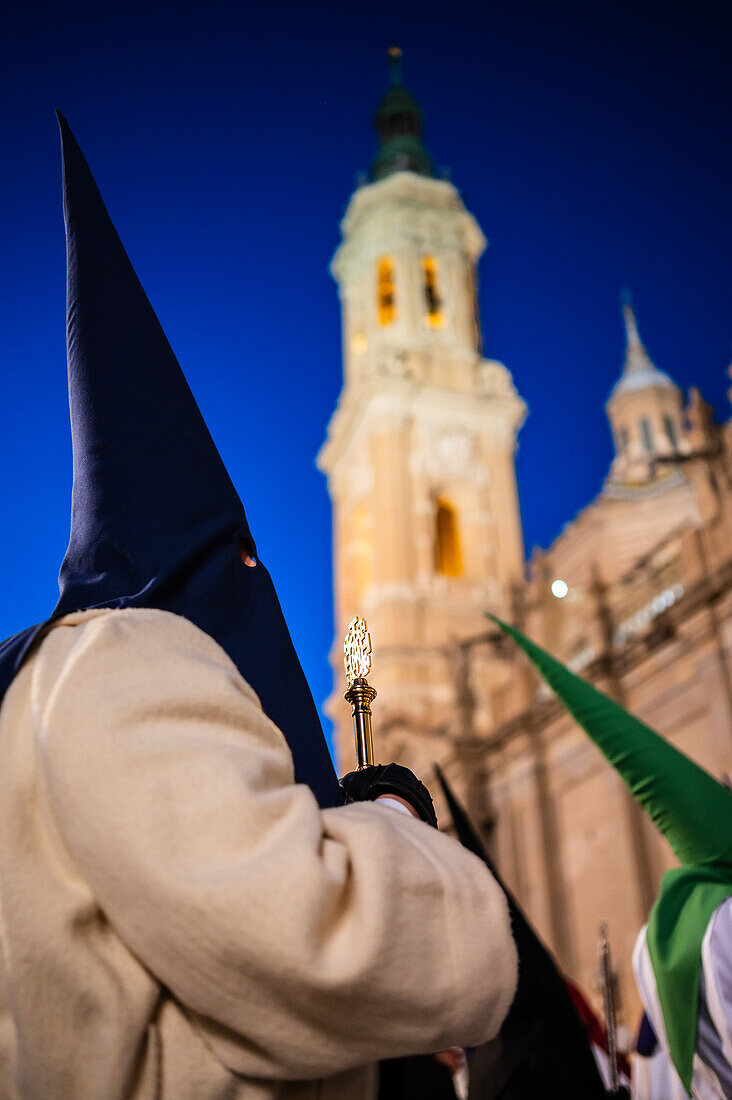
(636, 593)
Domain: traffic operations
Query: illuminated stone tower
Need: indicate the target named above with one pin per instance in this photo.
(419, 453)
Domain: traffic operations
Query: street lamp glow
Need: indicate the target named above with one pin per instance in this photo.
(560, 588)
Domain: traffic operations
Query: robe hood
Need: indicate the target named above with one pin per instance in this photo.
(694, 813)
(155, 519)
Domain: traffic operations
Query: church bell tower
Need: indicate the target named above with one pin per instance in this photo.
(419, 454)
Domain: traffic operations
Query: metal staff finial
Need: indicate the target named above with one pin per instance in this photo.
(360, 694)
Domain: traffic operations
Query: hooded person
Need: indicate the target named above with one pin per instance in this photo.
(542, 1049)
(683, 956)
(188, 909)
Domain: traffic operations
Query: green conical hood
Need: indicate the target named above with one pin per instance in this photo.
(690, 808)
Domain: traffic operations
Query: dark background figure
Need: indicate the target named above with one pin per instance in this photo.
(542, 1051)
(418, 1078)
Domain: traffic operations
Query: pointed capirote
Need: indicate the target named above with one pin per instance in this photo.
(147, 476)
(691, 809)
(156, 521)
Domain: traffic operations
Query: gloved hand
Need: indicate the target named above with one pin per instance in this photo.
(368, 783)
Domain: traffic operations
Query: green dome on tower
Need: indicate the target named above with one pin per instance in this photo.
(398, 123)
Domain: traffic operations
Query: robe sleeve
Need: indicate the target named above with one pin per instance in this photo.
(301, 942)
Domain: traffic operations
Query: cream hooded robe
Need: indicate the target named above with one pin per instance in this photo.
(180, 921)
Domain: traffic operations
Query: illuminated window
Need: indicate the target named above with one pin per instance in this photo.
(362, 549)
(646, 434)
(386, 291)
(431, 297)
(670, 430)
(448, 556)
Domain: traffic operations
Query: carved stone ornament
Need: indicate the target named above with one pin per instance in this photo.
(451, 454)
(494, 379)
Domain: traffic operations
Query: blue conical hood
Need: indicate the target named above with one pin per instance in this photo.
(149, 485)
(155, 519)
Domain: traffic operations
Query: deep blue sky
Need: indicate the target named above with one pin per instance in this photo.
(592, 142)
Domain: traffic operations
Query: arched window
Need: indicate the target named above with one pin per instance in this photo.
(624, 440)
(432, 299)
(448, 556)
(670, 429)
(646, 434)
(386, 291)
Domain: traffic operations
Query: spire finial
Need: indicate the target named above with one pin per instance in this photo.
(639, 371)
(395, 64)
(631, 325)
(398, 123)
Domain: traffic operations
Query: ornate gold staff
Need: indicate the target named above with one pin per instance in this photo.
(360, 694)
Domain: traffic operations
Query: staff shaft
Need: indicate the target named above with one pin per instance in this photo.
(360, 695)
(611, 1022)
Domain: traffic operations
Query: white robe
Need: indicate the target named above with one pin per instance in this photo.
(180, 921)
(712, 1067)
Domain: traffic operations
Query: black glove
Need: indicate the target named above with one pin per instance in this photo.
(368, 783)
